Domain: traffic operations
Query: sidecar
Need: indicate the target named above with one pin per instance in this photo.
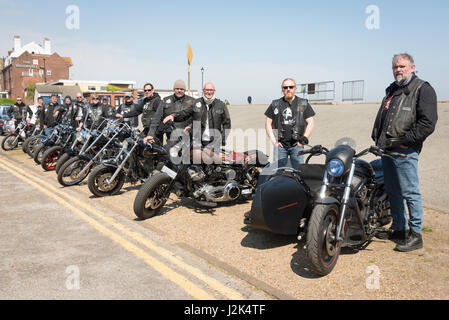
(285, 197)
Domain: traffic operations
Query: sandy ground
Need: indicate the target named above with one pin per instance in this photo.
(278, 262)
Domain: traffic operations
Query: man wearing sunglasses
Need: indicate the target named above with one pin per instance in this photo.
(170, 105)
(148, 107)
(19, 111)
(92, 114)
(289, 124)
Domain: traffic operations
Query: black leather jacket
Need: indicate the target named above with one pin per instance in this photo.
(20, 111)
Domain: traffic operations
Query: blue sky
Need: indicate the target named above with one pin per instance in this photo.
(245, 47)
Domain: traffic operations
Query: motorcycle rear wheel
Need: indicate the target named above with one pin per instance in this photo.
(322, 250)
(97, 181)
(149, 200)
(10, 142)
(50, 157)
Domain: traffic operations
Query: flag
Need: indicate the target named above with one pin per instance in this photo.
(189, 54)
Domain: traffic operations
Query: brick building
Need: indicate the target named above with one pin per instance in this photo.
(31, 64)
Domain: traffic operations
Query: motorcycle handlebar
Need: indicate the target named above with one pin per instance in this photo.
(318, 149)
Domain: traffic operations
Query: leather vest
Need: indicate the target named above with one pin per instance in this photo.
(132, 121)
(148, 112)
(298, 123)
(402, 110)
(20, 112)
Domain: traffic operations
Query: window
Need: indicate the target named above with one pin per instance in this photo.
(92, 88)
(103, 89)
(30, 72)
(35, 61)
(48, 72)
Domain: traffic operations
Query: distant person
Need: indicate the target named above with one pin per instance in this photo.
(250, 99)
(39, 109)
(170, 105)
(20, 111)
(289, 124)
(407, 116)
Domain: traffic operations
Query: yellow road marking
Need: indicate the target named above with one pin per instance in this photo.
(181, 281)
(213, 283)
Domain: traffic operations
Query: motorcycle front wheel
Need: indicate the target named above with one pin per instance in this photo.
(62, 159)
(50, 157)
(322, 249)
(150, 198)
(10, 142)
(39, 152)
(32, 145)
(99, 184)
(69, 173)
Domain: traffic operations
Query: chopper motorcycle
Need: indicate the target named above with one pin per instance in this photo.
(347, 210)
(234, 178)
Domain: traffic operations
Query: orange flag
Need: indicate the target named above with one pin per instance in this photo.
(189, 54)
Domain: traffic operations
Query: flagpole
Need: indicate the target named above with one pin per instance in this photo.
(188, 80)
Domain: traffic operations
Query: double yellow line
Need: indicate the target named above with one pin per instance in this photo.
(69, 202)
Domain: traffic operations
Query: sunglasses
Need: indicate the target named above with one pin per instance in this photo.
(146, 90)
(288, 87)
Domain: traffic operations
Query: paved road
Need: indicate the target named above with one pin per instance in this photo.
(54, 245)
(356, 120)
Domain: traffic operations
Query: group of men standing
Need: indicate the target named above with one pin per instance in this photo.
(407, 116)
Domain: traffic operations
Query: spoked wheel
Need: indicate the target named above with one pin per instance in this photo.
(39, 152)
(150, 198)
(10, 142)
(322, 248)
(25, 143)
(50, 157)
(32, 145)
(61, 160)
(70, 172)
(99, 181)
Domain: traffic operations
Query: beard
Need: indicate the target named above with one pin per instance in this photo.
(402, 77)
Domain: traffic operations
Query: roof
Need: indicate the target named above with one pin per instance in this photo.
(43, 89)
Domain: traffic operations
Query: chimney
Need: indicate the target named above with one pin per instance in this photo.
(47, 46)
(17, 43)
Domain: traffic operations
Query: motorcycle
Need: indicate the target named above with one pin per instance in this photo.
(105, 144)
(21, 132)
(347, 210)
(134, 162)
(208, 184)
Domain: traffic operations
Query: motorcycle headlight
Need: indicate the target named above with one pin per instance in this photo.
(335, 167)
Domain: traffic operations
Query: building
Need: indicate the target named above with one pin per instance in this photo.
(31, 64)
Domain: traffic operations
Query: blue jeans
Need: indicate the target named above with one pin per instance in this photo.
(401, 184)
(48, 131)
(281, 155)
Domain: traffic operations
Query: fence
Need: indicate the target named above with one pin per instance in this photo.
(353, 90)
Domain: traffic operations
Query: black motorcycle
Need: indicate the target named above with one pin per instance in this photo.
(208, 184)
(346, 211)
(134, 162)
(99, 144)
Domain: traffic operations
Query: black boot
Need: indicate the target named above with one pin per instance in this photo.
(394, 235)
(413, 242)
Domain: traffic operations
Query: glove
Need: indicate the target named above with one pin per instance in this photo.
(392, 143)
(303, 140)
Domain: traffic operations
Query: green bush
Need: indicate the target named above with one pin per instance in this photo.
(7, 101)
(111, 88)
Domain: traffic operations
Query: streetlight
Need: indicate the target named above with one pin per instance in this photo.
(202, 78)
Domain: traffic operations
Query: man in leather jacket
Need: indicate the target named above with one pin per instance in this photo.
(20, 111)
(70, 112)
(47, 116)
(289, 124)
(129, 111)
(93, 114)
(407, 116)
(170, 105)
(108, 109)
(211, 123)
